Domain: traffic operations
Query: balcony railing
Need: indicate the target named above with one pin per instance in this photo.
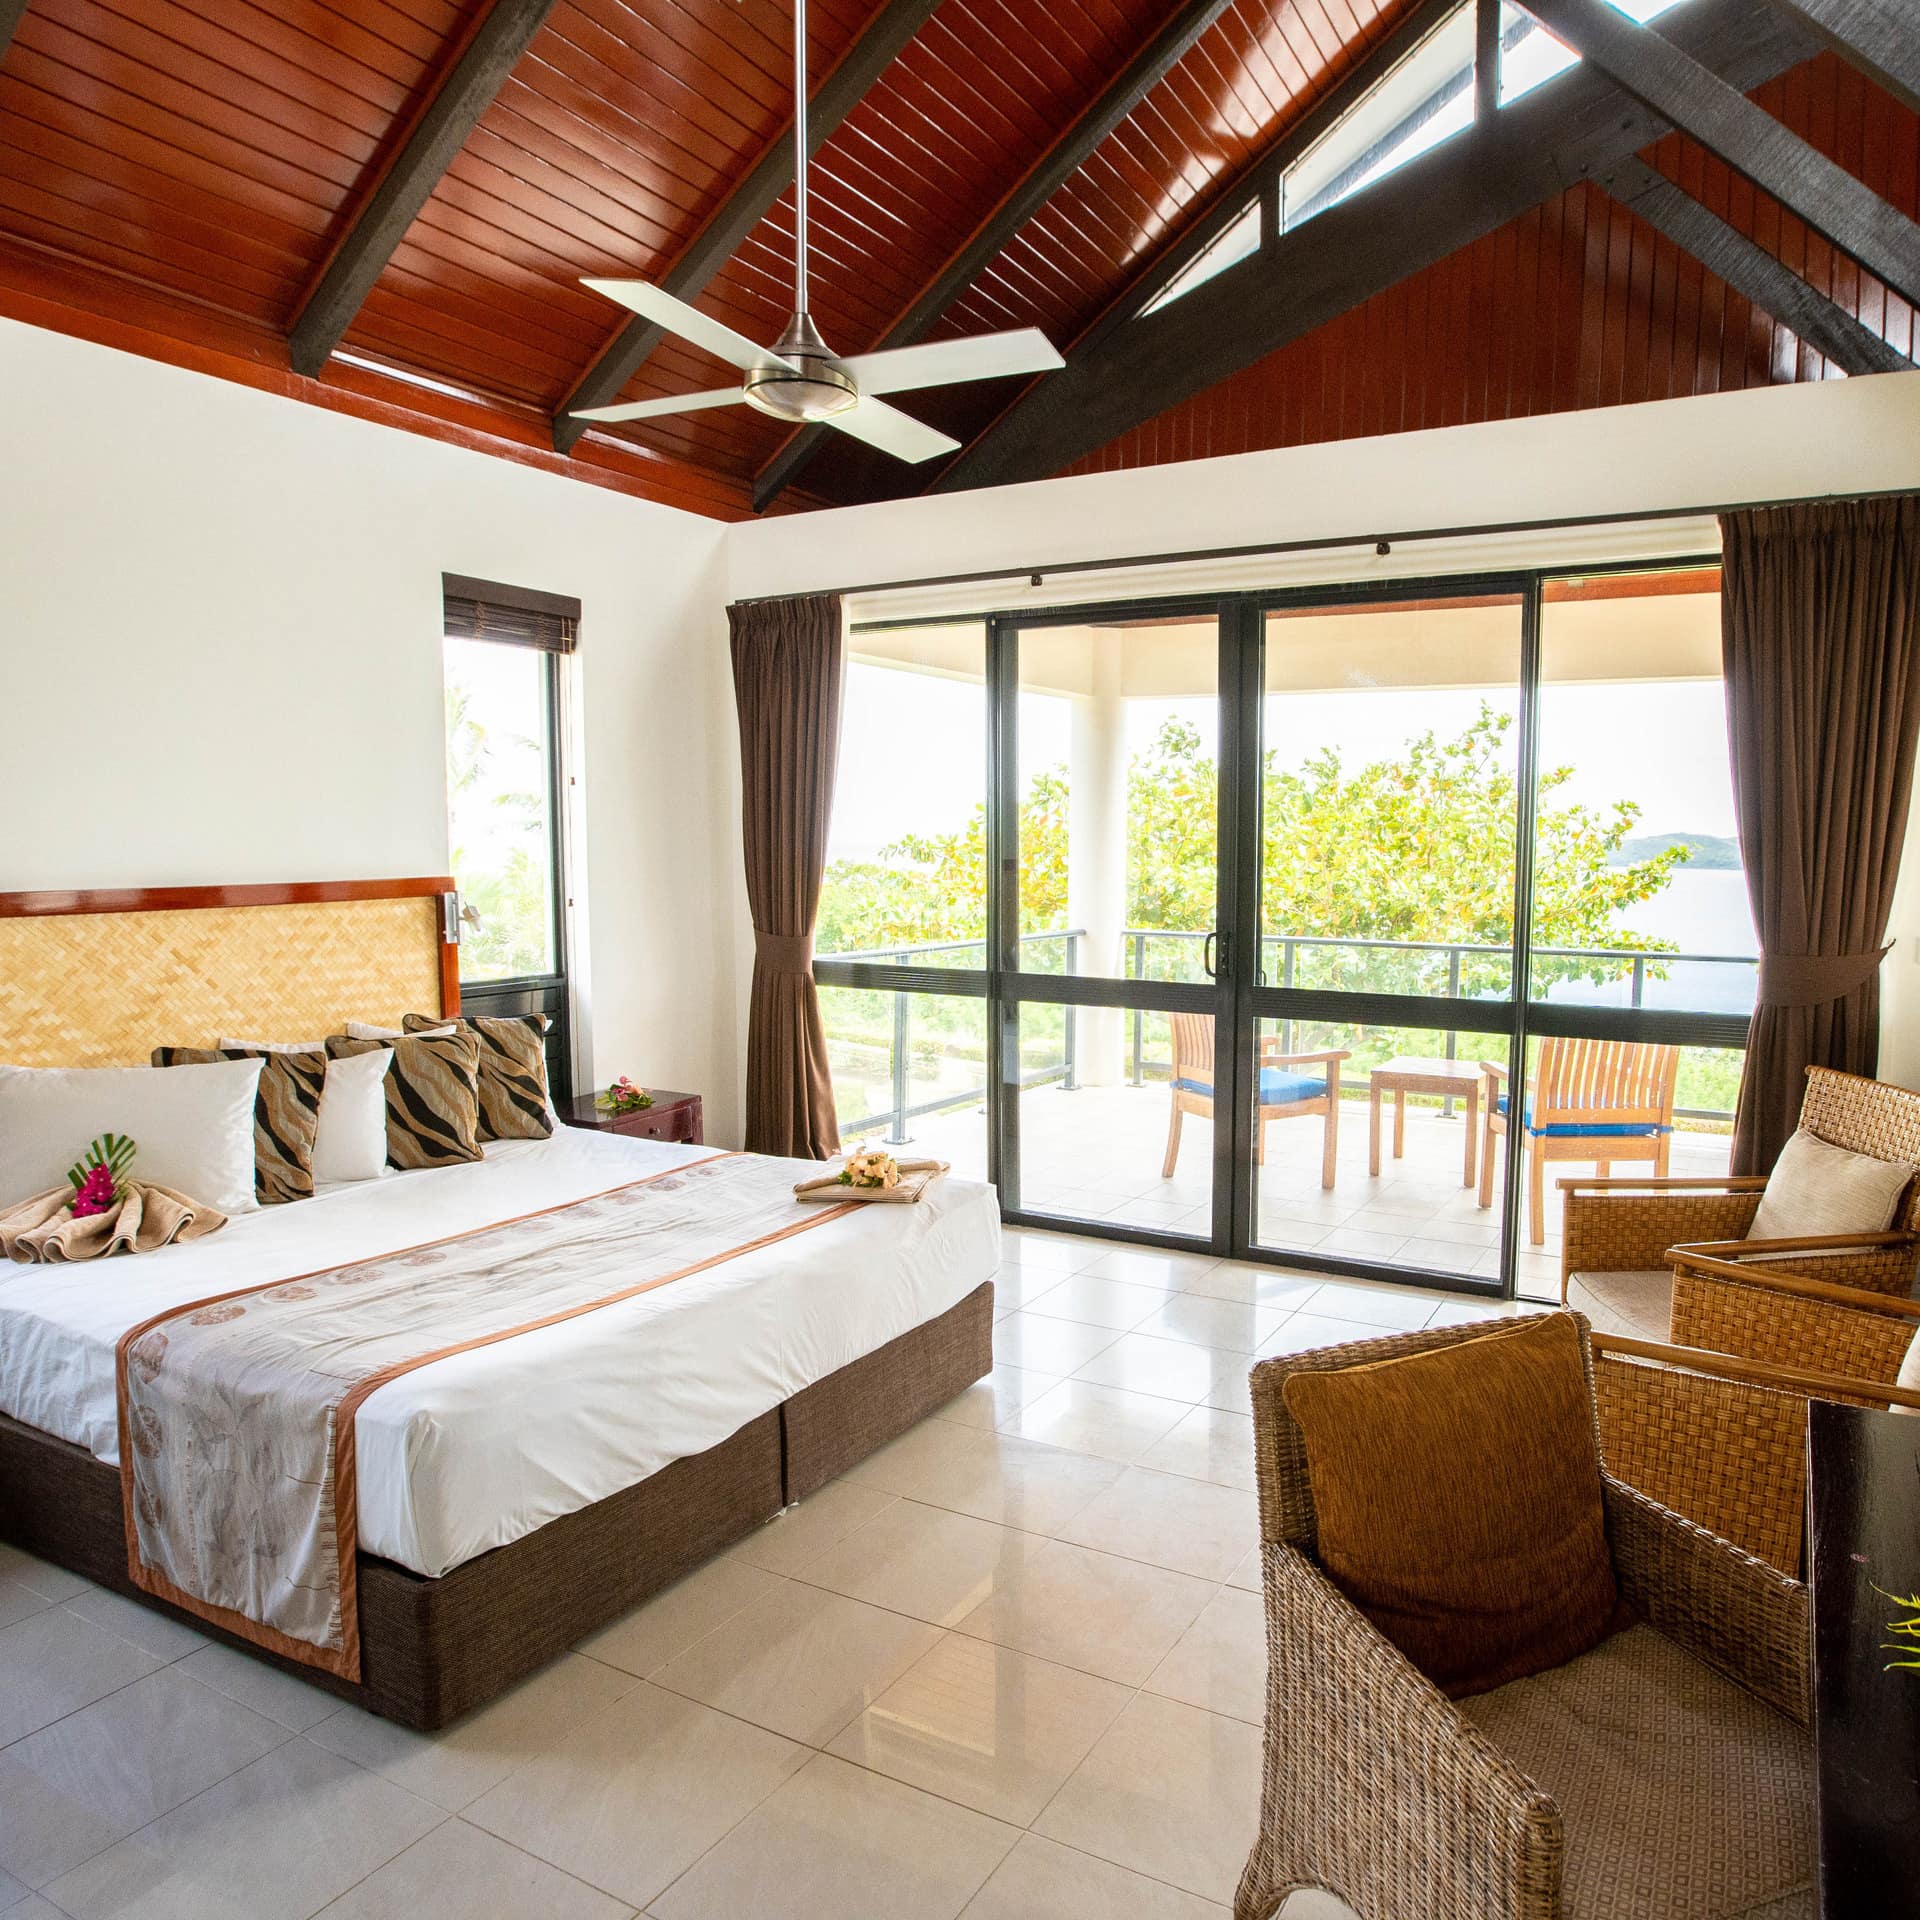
(1285, 958)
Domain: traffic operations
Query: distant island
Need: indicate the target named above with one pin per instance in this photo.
(1711, 851)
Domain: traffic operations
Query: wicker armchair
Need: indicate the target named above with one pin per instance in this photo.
(1617, 1234)
(1723, 1439)
(1508, 1806)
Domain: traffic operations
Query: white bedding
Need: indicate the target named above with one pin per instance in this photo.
(479, 1449)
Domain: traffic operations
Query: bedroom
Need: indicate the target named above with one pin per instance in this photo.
(366, 686)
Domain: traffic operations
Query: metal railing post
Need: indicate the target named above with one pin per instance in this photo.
(1286, 980)
(1639, 980)
(1137, 1077)
(1453, 1039)
(897, 1134)
(1069, 1084)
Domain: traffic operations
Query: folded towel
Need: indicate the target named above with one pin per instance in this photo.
(915, 1178)
(142, 1218)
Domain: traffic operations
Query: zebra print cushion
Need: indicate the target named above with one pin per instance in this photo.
(513, 1071)
(286, 1114)
(433, 1096)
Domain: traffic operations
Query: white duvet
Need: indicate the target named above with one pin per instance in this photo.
(479, 1449)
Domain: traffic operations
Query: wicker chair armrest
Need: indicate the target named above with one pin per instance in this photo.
(1352, 1729)
(1771, 1314)
(1882, 1263)
(1732, 1612)
(1627, 1227)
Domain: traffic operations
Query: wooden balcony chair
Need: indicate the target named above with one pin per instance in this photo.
(1508, 1805)
(1594, 1100)
(1617, 1234)
(1284, 1093)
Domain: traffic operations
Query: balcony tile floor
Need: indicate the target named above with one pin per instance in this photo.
(1007, 1668)
(1095, 1154)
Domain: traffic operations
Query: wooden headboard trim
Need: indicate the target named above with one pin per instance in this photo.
(273, 893)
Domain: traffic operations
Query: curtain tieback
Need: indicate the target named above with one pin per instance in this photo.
(1812, 979)
(784, 952)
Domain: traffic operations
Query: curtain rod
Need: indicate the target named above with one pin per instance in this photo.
(1380, 542)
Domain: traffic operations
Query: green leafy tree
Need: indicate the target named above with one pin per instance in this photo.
(1411, 850)
(507, 900)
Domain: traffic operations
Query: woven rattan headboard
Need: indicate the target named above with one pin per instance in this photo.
(100, 979)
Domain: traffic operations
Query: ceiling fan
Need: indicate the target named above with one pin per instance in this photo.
(800, 379)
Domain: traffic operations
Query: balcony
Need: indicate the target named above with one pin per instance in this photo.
(909, 1069)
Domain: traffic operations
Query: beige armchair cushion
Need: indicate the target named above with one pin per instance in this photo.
(1816, 1187)
(1685, 1797)
(1636, 1304)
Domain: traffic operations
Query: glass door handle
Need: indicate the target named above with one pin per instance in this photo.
(1206, 956)
(1224, 943)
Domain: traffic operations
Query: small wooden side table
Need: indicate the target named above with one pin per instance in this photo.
(1863, 1535)
(1408, 1073)
(673, 1116)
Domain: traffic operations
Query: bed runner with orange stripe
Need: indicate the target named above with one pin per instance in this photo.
(237, 1412)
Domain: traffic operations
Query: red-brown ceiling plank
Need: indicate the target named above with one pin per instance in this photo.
(473, 76)
(1147, 66)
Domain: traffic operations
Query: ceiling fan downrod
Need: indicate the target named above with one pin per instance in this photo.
(812, 384)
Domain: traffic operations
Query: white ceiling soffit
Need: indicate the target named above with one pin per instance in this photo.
(1441, 556)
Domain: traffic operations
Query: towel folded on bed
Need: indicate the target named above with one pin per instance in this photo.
(915, 1178)
(142, 1218)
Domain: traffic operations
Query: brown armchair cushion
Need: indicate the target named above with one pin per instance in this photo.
(1457, 1497)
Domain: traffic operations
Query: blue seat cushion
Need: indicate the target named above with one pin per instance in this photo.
(1604, 1131)
(1278, 1088)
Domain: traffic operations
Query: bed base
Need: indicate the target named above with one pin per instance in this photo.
(432, 1650)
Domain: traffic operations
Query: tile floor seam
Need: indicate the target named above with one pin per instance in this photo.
(333, 1899)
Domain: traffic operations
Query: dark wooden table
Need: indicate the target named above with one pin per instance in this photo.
(673, 1116)
(1863, 1528)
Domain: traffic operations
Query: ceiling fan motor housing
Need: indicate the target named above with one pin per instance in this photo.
(812, 385)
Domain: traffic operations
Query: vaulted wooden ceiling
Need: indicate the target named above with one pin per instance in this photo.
(386, 206)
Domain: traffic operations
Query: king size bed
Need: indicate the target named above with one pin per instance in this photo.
(724, 1351)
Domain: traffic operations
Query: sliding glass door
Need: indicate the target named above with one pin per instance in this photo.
(1379, 1027)
(1330, 928)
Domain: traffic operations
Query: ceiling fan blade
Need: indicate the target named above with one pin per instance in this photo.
(653, 409)
(892, 431)
(651, 303)
(941, 363)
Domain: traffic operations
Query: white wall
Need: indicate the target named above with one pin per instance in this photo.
(220, 661)
(219, 629)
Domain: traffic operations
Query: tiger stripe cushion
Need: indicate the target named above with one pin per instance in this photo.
(513, 1071)
(286, 1114)
(433, 1096)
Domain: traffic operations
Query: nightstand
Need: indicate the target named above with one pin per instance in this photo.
(673, 1116)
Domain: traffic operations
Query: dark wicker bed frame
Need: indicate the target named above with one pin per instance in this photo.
(432, 1650)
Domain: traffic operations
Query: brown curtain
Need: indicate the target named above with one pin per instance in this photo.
(1820, 630)
(786, 684)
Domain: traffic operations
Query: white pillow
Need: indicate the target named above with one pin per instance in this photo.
(350, 1137)
(192, 1130)
(1909, 1374)
(359, 1030)
(1816, 1187)
(350, 1140)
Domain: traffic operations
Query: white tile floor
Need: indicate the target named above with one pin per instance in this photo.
(1010, 1667)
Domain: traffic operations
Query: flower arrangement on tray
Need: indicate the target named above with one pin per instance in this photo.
(870, 1167)
(624, 1097)
(99, 1175)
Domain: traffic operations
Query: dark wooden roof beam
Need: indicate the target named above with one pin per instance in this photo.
(476, 74)
(10, 14)
(1654, 71)
(744, 208)
(1571, 129)
(1880, 37)
(1749, 269)
(1055, 168)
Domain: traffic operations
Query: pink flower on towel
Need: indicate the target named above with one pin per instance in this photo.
(95, 1193)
